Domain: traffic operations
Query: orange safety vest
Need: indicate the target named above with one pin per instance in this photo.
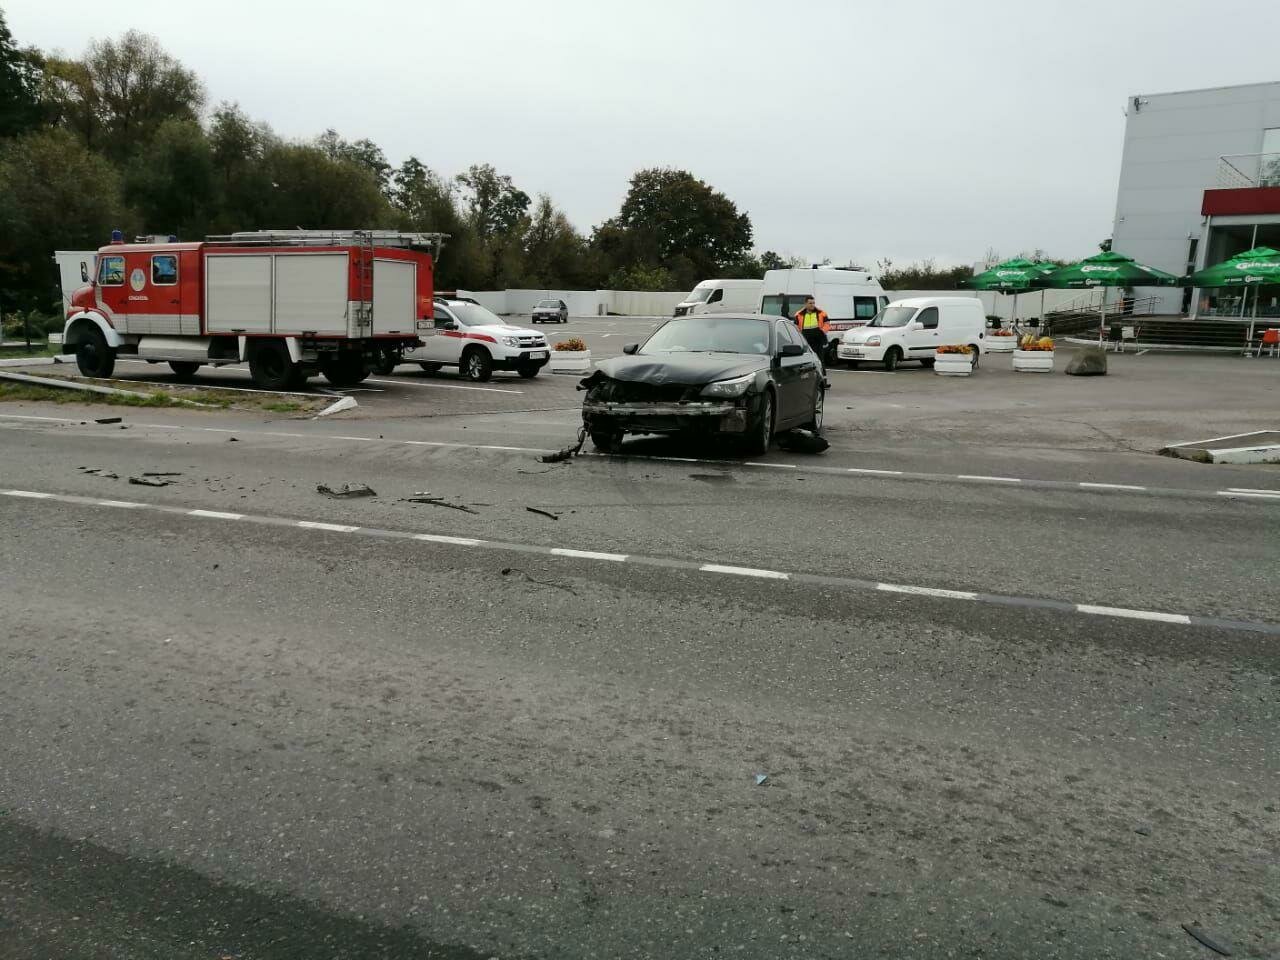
(816, 319)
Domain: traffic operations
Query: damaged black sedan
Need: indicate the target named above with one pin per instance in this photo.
(742, 375)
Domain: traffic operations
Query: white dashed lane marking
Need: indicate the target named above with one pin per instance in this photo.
(907, 476)
(840, 583)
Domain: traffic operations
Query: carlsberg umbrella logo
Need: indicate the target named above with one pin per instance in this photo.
(1258, 264)
(1098, 268)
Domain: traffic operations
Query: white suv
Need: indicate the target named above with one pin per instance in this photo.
(477, 341)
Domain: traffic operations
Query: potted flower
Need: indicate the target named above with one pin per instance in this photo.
(570, 356)
(1001, 341)
(1034, 355)
(953, 360)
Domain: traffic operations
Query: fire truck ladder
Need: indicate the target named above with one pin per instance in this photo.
(364, 257)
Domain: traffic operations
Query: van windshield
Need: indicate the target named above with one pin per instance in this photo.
(699, 295)
(893, 317)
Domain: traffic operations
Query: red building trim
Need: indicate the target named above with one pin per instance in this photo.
(1240, 202)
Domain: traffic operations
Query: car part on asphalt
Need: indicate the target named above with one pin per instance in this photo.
(346, 490)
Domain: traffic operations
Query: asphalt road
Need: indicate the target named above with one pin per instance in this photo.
(996, 718)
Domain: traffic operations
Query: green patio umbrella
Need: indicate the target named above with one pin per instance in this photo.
(1107, 269)
(1252, 268)
(1012, 276)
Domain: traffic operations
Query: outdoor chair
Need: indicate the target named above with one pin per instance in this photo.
(1269, 341)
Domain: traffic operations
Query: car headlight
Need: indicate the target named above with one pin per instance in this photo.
(729, 388)
(871, 342)
(511, 341)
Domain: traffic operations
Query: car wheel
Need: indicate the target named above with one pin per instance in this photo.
(93, 356)
(476, 364)
(819, 401)
(183, 369)
(528, 370)
(977, 355)
(430, 367)
(761, 433)
(606, 440)
(892, 358)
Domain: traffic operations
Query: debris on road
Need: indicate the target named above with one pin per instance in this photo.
(508, 571)
(543, 513)
(1143, 829)
(1208, 939)
(233, 439)
(108, 420)
(803, 441)
(567, 453)
(145, 481)
(162, 473)
(1089, 362)
(100, 472)
(346, 490)
(761, 778)
(425, 497)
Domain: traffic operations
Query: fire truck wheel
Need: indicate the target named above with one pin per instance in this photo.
(344, 369)
(93, 356)
(183, 369)
(271, 367)
(387, 362)
(476, 364)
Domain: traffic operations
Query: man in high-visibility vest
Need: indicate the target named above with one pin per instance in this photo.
(813, 326)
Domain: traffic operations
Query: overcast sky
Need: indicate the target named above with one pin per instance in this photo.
(850, 130)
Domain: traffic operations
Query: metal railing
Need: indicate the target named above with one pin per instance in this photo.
(1084, 313)
(1242, 170)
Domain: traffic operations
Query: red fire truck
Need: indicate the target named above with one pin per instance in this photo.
(291, 303)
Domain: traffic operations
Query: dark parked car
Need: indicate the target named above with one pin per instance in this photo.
(550, 311)
(739, 374)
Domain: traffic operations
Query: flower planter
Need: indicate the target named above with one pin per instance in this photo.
(1000, 344)
(570, 361)
(1033, 361)
(953, 364)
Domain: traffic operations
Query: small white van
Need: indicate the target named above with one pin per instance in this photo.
(849, 297)
(914, 329)
(721, 296)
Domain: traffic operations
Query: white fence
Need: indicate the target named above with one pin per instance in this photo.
(1033, 303)
(582, 303)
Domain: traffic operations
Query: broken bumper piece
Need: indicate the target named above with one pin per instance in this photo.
(722, 416)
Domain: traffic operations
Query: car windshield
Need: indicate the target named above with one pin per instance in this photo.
(549, 304)
(893, 317)
(710, 335)
(699, 295)
(474, 315)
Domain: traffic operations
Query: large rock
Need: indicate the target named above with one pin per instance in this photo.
(1089, 362)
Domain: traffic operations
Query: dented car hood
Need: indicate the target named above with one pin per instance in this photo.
(679, 368)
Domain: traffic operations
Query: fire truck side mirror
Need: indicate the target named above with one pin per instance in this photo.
(84, 272)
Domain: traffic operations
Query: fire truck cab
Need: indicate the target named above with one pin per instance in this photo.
(290, 303)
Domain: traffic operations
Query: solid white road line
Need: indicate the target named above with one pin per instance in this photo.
(926, 591)
(589, 554)
(452, 541)
(971, 476)
(776, 466)
(29, 494)
(444, 386)
(744, 571)
(215, 514)
(119, 503)
(1246, 493)
(1252, 490)
(881, 473)
(1111, 486)
(1133, 614)
(332, 527)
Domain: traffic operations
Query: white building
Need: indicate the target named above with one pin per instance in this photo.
(1199, 183)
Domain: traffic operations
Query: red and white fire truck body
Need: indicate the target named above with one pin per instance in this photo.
(289, 303)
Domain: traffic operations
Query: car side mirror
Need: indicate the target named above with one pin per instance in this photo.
(630, 348)
(791, 350)
(84, 273)
(451, 325)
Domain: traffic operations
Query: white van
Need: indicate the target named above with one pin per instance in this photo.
(849, 297)
(914, 329)
(721, 296)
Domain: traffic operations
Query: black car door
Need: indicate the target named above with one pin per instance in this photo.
(795, 376)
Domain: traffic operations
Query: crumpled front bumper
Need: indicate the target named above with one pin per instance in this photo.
(724, 416)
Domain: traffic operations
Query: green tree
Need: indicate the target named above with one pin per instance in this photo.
(133, 87)
(54, 194)
(672, 219)
(362, 153)
(922, 275)
(312, 191)
(428, 203)
(172, 182)
(554, 251)
(495, 206)
(19, 85)
(641, 277)
(244, 189)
